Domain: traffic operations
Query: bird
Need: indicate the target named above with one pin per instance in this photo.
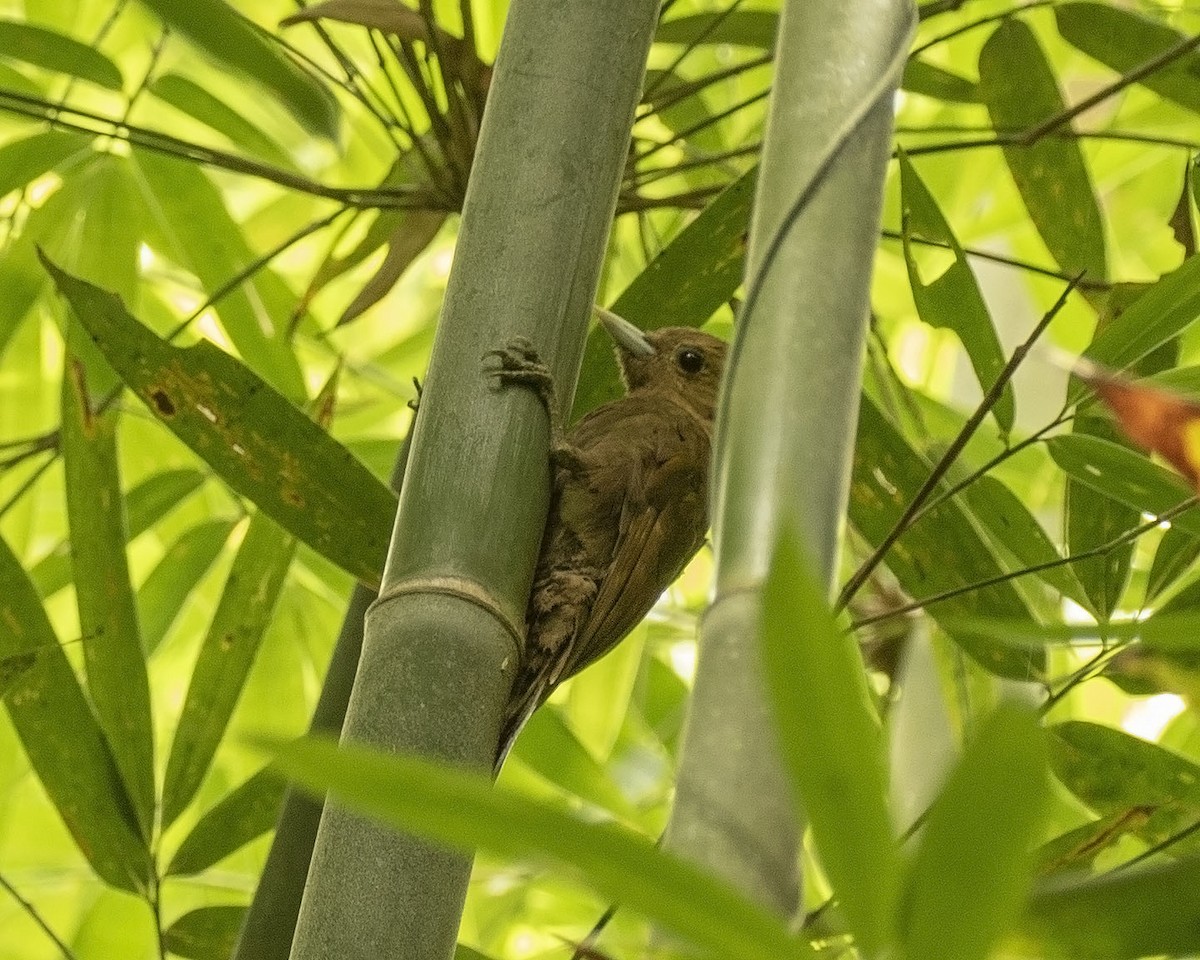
(628, 501)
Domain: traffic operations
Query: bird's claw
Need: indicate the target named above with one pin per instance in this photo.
(518, 363)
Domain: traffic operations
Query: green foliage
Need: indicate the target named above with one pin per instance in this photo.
(225, 218)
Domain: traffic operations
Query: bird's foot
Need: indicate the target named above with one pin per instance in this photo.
(415, 402)
(518, 363)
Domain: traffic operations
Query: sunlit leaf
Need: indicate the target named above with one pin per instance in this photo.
(463, 810)
(1020, 90)
(951, 299)
(62, 740)
(206, 933)
(1123, 40)
(245, 813)
(412, 235)
(27, 158)
(112, 644)
(1141, 912)
(831, 743)
(973, 865)
(222, 33)
(259, 443)
(228, 652)
(164, 592)
(752, 28)
(940, 553)
(51, 50)
(200, 235)
(201, 105)
(145, 505)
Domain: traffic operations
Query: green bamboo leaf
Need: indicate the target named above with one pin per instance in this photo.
(244, 814)
(21, 282)
(1167, 308)
(1094, 519)
(146, 504)
(973, 867)
(1020, 90)
(941, 553)
(261, 445)
(62, 740)
(27, 158)
(690, 278)
(1176, 554)
(463, 810)
(15, 81)
(409, 240)
(13, 668)
(1110, 770)
(206, 933)
(1124, 476)
(162, 596)
(199, 234)
(226, 36)
(936, 82)
(112, 643)
(1122, 39)
(750, 28)
(191, 98)
(1009, 523)
(951, 298)
(831, 742)
(548, 746)
(50, 50)
(233, 639)
(1154, 911)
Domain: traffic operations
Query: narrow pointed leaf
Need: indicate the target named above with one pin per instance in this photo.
(951, 300)
(1166, 309)
(200, 235)
(973, 865)
(145, 505)
(1094, 519)
(108, 620)
(831, 743)
(161, 598)
(198, 103)
(225, 35)
(1151, 911)
(206, 933)
(228, 652)
(261, 445)
(1124, 476)
(464, 811)
(242, 815)
(1020, 90)
(26, 159)
(1123, 40)
(408, 241)
(51, 50)
(940, 553)
(62, 740)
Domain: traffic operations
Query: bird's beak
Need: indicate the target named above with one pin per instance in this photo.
(628, 337)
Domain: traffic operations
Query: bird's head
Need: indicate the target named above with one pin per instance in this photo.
(681, 363)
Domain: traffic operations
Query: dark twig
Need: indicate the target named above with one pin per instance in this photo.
(990, 399)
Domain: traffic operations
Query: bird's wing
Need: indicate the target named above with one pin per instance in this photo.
(662, 527)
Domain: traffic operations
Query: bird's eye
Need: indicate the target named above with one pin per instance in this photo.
(690, 360)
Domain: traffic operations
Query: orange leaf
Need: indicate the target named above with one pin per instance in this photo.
(1155, 419)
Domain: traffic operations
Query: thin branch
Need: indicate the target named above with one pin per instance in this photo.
(1127, 537)
(981, 22)
(990, 399)
(1085, 284)
(32, 912)
(691, 45)
(399, 197)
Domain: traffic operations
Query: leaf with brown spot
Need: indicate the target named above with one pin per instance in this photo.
(262, 446)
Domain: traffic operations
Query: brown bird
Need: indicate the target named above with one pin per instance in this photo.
(629, 502)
